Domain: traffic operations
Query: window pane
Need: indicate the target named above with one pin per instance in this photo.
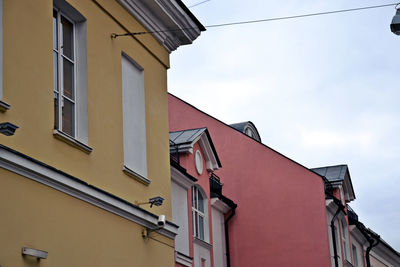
(55, 70)
(68, 117)
(201, 228)
(355, 257)
(193, 221)
(55, 110)
(68, 38)
(68, 79)
(201, 203)
(194, 192)
(55, 30)
(196, 224)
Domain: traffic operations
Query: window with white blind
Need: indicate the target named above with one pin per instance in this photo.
(134, 120)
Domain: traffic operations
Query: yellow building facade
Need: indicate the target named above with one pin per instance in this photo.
(92, 138)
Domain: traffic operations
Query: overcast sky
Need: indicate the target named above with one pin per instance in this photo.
(321, 90)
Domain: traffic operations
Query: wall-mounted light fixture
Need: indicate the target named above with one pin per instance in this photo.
(39, 254)
(157, 201)
(395, 25)
(7, 128)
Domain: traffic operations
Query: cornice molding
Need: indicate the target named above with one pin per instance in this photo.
(159, 15)
(219, 205)
(42, 173)
(180, 178)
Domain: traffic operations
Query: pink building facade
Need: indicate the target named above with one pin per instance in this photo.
(260, 208)
(198, 206)
(280, 219)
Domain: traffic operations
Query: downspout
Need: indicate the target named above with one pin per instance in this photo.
(335, 256)
(327, 189)
(372, 243)
(228, 257)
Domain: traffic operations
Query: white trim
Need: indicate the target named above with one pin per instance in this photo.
(157, 15)
(202, 243)
(183, 259)
(181, 179)
(198, 162)
(71, 141)
(219, 205)
(379, 258)
(72, 186)
(81, 130)
(1, 50)
(3, 105)
(135, 175)
(209, 156)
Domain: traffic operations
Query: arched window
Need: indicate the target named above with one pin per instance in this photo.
(199, 213)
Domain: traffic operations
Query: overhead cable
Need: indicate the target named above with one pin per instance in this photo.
(199, 3)
(114, 35)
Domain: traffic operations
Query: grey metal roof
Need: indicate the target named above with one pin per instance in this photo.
(241, 127)
(332, 173)
(185, 136)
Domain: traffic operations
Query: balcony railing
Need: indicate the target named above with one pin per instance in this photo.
(215, 186)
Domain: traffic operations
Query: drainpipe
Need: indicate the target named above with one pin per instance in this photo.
(372, 243)
(335, 256)
(228, 257)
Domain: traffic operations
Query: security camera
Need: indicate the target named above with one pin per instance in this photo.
(156, 201)
(161, 221)
(395, 25)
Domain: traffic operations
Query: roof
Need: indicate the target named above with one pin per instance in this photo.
(332, 173)
(242, 126)
(183, 141)
(338, 174)
(186, 136)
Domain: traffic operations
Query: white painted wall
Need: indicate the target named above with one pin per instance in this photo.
(134, 116)
(218, 233)
(329, 217)
(201, 252)
(180, 217)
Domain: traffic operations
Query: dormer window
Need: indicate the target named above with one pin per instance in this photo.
(249, 132)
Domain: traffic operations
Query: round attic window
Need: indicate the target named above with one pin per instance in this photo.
(198, 161)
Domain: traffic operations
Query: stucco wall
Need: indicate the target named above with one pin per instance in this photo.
(74, 233)
(281, 217)
(28, 88)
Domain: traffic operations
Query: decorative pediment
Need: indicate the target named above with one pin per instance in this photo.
(183, 142)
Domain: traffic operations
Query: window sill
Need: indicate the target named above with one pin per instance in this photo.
(183, 259)
(136, 176)
(202, 243)
(4, 106)
(71, 141)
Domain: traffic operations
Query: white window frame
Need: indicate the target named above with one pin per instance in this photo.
(80, 138)
(355, 255)
(3, 105)
(345, 239)
(60, 75)
(197, 213)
